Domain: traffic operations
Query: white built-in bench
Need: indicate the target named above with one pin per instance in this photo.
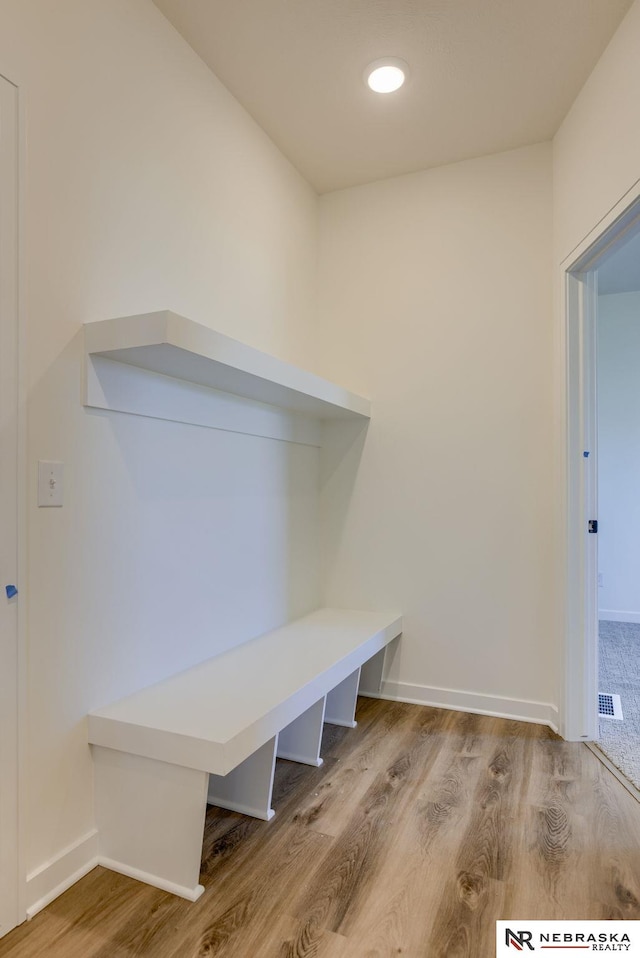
(211, 735)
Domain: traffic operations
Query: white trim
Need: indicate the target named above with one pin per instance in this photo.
(22, 503)
(264, 816)
(61, 872)
(602, 226)
(12, 382)
(191, 894)
(622, 778)
(497, 706)
(54, 877)
(578, 298)
(581, 678)
(300, 759)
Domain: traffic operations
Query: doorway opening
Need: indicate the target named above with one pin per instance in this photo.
(602, 700)
(618, 462)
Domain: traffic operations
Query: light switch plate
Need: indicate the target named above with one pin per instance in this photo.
(50, 483)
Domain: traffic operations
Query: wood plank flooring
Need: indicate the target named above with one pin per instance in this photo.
(421, 829)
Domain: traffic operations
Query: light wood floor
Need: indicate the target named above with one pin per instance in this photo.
(422, 828)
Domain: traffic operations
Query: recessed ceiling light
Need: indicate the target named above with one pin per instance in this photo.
(386, 75)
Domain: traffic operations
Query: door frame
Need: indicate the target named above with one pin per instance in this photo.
(579, 301)
(12, 800)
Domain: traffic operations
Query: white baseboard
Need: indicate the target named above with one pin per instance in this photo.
(242, 808)
(521, 710)
(54, 877)
(300, 759)
(613, 615)
(191, 894)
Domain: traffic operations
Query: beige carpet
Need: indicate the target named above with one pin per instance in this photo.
(620, 675)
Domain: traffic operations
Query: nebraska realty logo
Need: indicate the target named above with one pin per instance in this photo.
(564, 936)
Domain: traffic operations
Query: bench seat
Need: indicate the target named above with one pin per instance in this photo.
(212, 734)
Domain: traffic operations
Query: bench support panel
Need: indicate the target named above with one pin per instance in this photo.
(371, 674)
(248, 787)
(342, 701)
(300, 741)
(150, 818)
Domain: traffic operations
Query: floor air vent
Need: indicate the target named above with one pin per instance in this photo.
(609, 706)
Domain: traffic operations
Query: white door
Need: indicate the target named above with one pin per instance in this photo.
(8, 506)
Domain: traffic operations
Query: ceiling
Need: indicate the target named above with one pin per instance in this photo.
(486, 75)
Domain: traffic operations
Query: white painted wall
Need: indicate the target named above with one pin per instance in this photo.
(146, 187)
(596, 166)
(596, 152)
(619, 456)
(435, 292)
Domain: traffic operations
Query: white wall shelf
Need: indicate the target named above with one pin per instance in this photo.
(167, 345)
